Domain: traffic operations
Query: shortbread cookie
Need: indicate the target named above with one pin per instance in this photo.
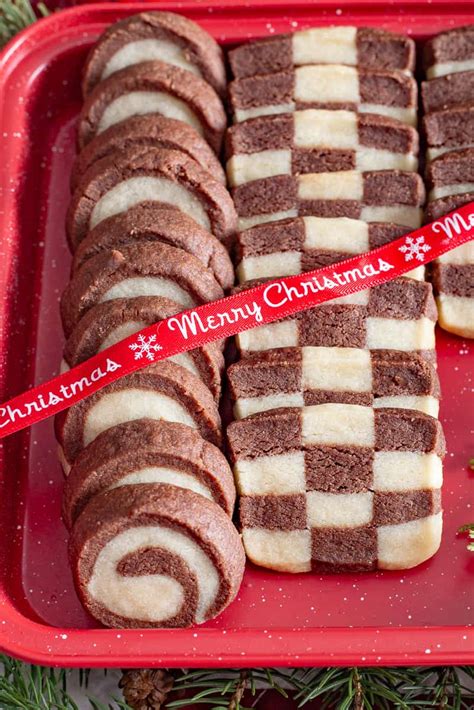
(163, 390)
(338, 487)
(138, 270)
(391, 94)
(165, 36)
(366, 47)
(372, 196)
(450, 52)
(107, 323)
(317, 141)
(448, 130)
(292, 246)
(150, 223)
(155, 555)
(398, 315)
(152, 131)
(147, 451)
(153, 87)
(123, 180)
(451, 174)
(447, 91)
(294, 377)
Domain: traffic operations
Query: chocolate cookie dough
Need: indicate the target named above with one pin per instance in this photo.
(107, 323)
(354, 46)
(295, 377)
(152, 131)
(120, 181)
(451, 174)
(398, 315)
(338, 487)
(333, 86)
(292, 246)
(163, 390)
(449, 52)
(138, 270)
(147, 451)
(317, 141)
(155, 555)
(448, 130)
(447, 91)
(152, 222)
(166, 36)
(372, 196)
(153, 87)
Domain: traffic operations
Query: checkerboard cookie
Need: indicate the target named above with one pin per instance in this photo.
(317, 141)
(107, 323)
(294, 377)
(151, 130)
(155, 555)
(449, 129)
(153, 87)
(372, 196)
(449, 52)
(299, 244)
(398, 315)
(118, 182)
(163, 36)
(138, 270)
(163, 390)
(149, 223)
(354, 46)
(322, 86)
(448, 91)
(147, 451)
(338, 487)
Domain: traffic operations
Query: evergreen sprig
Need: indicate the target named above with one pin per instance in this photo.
(15, 15)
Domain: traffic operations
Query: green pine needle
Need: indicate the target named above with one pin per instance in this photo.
(15, 15)
(469, 529)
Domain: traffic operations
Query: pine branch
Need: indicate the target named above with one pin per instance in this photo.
(15, 15)
(469, 529)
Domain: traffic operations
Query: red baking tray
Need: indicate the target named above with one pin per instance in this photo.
(421, 616)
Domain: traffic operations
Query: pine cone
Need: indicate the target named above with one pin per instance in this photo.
(146, 689)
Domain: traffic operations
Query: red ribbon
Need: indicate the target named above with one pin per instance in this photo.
(248, 309)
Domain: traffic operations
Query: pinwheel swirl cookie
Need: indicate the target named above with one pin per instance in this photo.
(294, 377)
(147, 451)
(163, 36)
(155, 555)
(317, 141)
(354, 46)
(322, 86)
(338, 487)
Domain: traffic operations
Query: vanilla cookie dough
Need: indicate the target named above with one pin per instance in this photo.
(155, 555)
(147, 451)
(366, 47)
(153, 131)
(392, 94)
(166, 36)
(297, 377)
(138, 270)
(120, 181)
(338, 487)
(162, 390)
(371, 196)
(317, 141)
(111, 321)
(153, 87)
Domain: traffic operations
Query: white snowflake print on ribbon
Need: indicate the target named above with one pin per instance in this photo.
(414, 248)
(145, 347)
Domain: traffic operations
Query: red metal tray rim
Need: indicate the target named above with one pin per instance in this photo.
(39, 643)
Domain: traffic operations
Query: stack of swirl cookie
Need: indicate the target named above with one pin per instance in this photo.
(336, 445)
(149, 495)
(448, 102)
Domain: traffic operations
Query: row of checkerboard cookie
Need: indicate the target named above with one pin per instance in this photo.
(336, 447)
(448, 102)
(149, 496)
